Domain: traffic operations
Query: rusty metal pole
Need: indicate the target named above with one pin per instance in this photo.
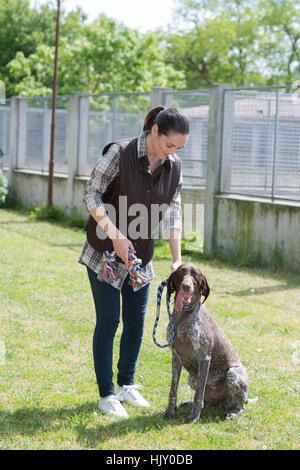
(51, 161)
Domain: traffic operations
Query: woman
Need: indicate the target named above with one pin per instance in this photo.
(144, 171)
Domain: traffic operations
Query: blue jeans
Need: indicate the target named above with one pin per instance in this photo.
(107, 305)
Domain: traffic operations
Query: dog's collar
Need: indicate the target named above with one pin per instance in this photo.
(191, 307)
(188, 307)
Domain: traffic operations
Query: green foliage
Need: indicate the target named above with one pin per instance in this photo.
(280, 21)
(56, 214)
(22, 28)
(3, 188)
(47, 213)
(75, 220)
(102, 56)
(242, 43)
(192, 242)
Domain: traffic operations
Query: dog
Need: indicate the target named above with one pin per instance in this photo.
(202, 348)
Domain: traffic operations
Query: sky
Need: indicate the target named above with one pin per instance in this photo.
(144, 15)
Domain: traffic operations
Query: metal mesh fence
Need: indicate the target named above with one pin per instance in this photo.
(106, 118)
(34, 132)
(194, 104)
(261, 143)
(4, 130)
(260, 151)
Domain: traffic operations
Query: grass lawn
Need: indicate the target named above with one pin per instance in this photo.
(48, 392)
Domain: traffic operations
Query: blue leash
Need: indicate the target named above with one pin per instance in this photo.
(159, 294)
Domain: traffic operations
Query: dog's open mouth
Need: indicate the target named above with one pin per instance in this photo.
(183, 299)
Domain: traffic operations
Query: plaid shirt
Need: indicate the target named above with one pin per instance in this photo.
(106, 169)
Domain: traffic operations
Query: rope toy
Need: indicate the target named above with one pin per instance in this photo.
(109, 271)
(159, 294)
(109, 274)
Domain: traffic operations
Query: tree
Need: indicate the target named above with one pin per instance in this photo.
(281, 46)
(19, 31)
(238, 42)
(218, 43)
(23, 29)
(104, 56)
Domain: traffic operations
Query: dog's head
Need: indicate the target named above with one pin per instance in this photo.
(189, 284)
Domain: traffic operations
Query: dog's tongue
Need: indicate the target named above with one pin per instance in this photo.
(179, 303)
(181, 300)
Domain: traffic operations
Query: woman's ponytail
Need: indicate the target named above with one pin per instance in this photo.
(151, 116)
(167, 120)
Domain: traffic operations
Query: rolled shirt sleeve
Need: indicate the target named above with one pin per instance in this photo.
(172, 218)
(105, 170)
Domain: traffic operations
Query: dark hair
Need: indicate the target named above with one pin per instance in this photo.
(168, 120)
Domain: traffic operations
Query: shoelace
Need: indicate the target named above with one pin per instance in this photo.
(109, 271)
(131, 388)
(115, 400)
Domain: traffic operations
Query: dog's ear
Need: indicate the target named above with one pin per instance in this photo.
(204, 287)
(171, 285)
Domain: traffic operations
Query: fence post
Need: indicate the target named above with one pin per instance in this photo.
(72, 148)
(22, 134)
(213, 162)
(5, 145)
(275, 150)
(13, 138)
(83, 133)
(157, 96)
(46, 135)
(227, 128)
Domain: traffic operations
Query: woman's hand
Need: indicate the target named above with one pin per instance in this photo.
(121, 246)
(120, 242)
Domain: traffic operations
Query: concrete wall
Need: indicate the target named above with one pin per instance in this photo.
(31, 189)
(264, 232)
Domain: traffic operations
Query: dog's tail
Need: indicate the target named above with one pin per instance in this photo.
(251, 401)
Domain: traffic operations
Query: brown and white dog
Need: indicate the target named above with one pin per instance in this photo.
(202, 348)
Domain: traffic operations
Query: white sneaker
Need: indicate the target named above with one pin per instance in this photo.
(111, 405)
(130, 394)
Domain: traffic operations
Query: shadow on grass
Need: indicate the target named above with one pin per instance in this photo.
(263, 290)
(14, 222)
(92, 437)
(29, 421)
(290, 279)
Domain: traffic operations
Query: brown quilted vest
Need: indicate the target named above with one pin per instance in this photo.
(140, 186)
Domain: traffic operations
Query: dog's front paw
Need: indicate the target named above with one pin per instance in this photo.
(170, 414)
(192, 419)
